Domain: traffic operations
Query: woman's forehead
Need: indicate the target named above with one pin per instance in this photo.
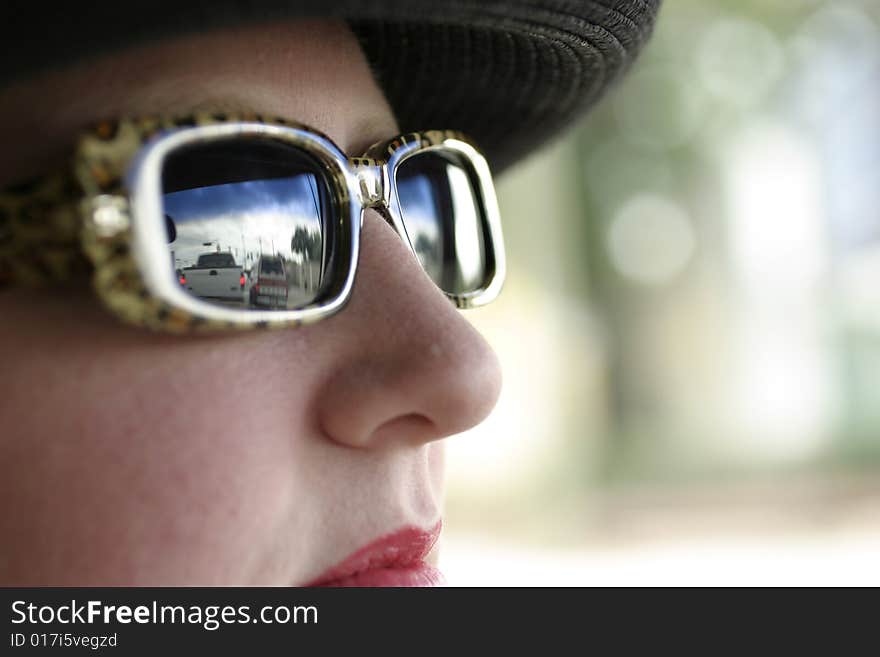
(311, 72)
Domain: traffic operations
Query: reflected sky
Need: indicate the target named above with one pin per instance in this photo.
(420, 219)
(244, 218)
(443, 224)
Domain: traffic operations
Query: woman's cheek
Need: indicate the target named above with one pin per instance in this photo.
(141, 469)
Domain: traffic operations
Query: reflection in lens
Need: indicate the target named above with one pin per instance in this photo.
(250, 220)
(170, 229)
(442, 217)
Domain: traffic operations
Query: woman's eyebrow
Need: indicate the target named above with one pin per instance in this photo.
(369, 129)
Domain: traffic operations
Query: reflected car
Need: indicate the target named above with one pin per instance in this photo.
(269, 287)
(214, 276)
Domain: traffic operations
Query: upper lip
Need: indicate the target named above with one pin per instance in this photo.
(403, 548)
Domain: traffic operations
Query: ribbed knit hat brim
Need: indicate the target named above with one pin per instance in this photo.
(509, 73)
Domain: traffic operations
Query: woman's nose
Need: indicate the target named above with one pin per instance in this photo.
(419, 370)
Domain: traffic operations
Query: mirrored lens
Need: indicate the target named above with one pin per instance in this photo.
(443, 219)
(247, 223)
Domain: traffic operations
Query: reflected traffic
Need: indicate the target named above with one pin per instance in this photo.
(242, 231)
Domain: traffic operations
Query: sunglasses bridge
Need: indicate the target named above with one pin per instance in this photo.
(373, 182)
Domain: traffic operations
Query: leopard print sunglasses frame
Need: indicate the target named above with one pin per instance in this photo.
(104, 218)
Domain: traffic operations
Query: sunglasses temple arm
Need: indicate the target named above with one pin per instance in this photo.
(40, 233)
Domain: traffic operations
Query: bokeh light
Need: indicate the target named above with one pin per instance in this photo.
(739, 61)
(650, 240)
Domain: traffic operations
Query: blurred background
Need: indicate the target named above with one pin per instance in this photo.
(690, 330)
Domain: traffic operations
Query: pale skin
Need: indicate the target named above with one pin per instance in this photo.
(262, 458)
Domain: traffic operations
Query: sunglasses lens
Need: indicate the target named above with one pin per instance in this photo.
(443, 217)
(248, 223)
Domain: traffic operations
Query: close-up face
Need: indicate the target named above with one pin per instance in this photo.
(134, 457)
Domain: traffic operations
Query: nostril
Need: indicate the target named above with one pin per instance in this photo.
(410, 428)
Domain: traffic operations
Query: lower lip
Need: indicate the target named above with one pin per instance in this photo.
(420, 574)
(394, 560)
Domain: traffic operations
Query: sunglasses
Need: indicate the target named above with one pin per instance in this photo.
(215, 222)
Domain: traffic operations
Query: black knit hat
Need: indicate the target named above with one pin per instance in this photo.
(511, 73)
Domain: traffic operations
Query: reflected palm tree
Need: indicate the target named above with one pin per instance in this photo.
(306, 243)
(170, 229)
(424, 245)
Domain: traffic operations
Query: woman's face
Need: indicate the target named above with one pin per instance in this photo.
(133, 458)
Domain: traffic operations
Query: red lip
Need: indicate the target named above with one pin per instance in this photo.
(393, 560)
